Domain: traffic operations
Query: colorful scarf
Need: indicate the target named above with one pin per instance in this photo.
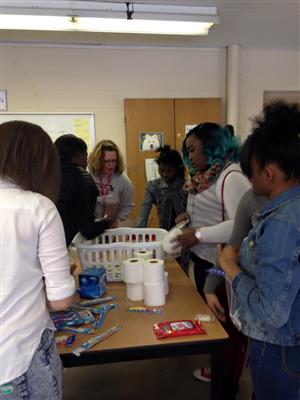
(203, 180)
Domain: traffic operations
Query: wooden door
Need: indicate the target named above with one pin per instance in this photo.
(142, 116)
(193, 112)
(169, 116)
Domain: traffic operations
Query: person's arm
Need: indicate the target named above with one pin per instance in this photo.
(145, 208)
(126, 199)
(270, 295)
(53, 256)
(243, 219)
(87, 197)
(235, 185)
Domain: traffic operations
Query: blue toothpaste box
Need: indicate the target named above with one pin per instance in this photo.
(92, 282)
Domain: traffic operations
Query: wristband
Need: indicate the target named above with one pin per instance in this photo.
(198, 234)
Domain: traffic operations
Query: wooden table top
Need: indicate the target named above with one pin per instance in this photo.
(182, 303)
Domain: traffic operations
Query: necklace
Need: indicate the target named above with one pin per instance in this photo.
(102, 192)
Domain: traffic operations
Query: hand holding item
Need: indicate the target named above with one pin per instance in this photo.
(229, 261)
(214, 304)
(182, 217)
(170, 243)
(73, 267)
(110, 206)
(187, 239)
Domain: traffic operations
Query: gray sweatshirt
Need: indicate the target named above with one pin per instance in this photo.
(245, 219)
(120, 190)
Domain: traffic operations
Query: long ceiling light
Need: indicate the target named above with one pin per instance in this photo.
(92, 16)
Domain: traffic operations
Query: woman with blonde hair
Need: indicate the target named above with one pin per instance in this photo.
(107, 167)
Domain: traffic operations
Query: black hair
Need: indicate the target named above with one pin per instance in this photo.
(170, 157)
(69, 145)
(245, 156)
(275, 138)
(230, 128)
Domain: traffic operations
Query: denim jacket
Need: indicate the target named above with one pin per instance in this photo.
(169, 199)
(268, 289)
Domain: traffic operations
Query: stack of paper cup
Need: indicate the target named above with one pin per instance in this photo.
(154, 286)
(133, 276)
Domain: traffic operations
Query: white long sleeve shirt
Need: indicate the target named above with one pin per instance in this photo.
(205, 211)
(34, 266)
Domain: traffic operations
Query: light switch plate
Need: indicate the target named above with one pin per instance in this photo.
(3, 100)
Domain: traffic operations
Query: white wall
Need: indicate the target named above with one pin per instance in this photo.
(45, 79)
(265, 70)
(96, 79)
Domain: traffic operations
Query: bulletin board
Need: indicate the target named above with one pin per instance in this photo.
(57, 124)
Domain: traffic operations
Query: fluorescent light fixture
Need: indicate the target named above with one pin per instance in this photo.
(57, 23)
(112, 17)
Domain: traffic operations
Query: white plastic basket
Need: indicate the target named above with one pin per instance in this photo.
(116, 245)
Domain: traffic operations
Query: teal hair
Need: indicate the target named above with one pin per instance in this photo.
(218, 145)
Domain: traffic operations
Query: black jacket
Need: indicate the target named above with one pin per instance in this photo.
(76, 204)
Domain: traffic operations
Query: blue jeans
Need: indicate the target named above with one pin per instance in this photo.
(43, 379)
(275, 371)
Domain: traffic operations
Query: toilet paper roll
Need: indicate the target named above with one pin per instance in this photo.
(154, 295)
(153, 271)
(166, 283)
(169, 244)
(133, 270)
(143, 254)
(135, 291)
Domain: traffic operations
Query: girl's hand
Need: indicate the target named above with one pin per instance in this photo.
(73, 267)
(187, 239)
(182, 217)
(215, 306)
(229, 261)
(111, 210)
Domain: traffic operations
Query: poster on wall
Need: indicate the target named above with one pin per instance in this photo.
(188, 128)
(151, 168)
(150, 141)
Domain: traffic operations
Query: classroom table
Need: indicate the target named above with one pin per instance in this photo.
(136, 340)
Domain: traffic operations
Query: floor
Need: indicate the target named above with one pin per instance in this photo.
(161, 379)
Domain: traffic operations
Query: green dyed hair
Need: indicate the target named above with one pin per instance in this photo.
(218, 145)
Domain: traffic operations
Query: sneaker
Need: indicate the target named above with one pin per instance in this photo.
(202, 374)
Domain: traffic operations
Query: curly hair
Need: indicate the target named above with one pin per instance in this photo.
(218, 144)
(170, 157)
(96, 158)
(29, 158)
(275, 138)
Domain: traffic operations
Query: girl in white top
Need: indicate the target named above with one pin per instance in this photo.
(34, 266)
(215, 189)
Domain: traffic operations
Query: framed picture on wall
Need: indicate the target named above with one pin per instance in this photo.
(150, 141)
(3, 100)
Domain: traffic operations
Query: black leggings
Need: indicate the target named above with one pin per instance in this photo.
(234, 350)
(200, 271)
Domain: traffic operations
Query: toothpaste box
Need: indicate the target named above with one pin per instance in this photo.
(92, 282)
